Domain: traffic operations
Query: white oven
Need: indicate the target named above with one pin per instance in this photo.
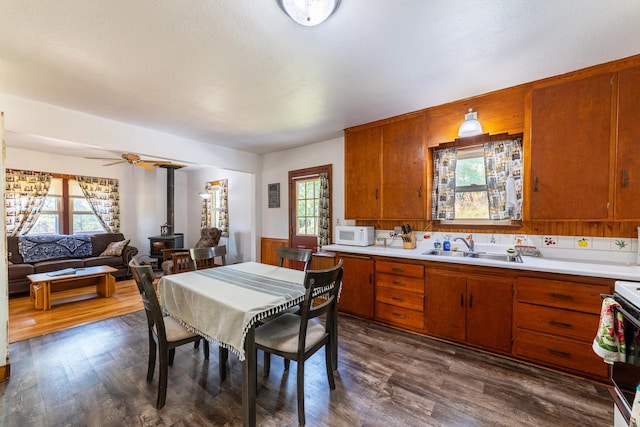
(626, 375)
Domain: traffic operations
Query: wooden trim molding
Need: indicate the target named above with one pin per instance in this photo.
(5, 371)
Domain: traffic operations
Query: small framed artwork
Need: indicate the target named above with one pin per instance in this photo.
(274, 195)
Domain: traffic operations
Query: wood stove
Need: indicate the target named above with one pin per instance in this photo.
(172, 240)
(158, 243)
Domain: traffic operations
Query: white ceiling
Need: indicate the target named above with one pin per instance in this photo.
(240, 73)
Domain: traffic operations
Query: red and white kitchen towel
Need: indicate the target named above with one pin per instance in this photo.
(609, 341)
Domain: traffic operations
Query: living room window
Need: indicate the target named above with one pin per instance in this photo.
(66, 211)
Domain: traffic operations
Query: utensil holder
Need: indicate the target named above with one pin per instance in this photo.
(408, 241)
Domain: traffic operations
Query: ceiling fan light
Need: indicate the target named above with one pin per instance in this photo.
(471, 126)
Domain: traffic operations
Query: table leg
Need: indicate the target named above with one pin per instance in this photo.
(249, 380)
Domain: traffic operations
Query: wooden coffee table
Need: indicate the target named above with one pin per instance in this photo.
(42, 284)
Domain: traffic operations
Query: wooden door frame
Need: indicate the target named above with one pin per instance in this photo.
(300, 173)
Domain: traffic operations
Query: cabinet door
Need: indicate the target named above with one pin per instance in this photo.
(627, 180)
(362, 151)
(489, 312)
(445, 304)
(570, 140)
(356, 296)
(403, 171)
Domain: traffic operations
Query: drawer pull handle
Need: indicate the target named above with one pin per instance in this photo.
(559, 353)
(397, 299)
(560, 324)
(560, 296)
(398, 269)
(395, 282)
(398, 315)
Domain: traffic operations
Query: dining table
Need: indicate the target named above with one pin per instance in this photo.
(225, 304)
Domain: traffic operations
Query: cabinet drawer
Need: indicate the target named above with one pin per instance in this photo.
(398, 298)
(555, 293)
(558, 352)
(400, 269)
(564, 323)
(410, 284)
(399, 315)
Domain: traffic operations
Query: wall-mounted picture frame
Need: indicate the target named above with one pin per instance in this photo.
(274, 195)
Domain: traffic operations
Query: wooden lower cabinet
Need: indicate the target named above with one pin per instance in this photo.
(357, 294)
(470, 308)
(555, 322)
(400, 294)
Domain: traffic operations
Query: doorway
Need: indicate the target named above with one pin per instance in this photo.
(309, 215)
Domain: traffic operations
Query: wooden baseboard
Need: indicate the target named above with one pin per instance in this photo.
(5, 371)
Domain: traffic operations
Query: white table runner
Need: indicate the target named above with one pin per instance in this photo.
(222, 303)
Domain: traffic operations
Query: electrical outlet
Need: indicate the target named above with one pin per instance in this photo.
(337, 221)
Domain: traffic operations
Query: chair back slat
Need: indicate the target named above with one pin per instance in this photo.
(294, 254)
(200, 258)
(323, 287)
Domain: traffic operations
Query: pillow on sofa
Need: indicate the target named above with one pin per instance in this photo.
(115, 248)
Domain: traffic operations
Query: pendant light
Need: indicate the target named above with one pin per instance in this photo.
(471, 126)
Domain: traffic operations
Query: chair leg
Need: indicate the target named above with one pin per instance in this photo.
(223, 356)
(196, 344)
(287, 364)
(206, 349)
(162, 383)
(328, 351)
(267, 364)
(300, 392)
(152, 359)
(172, 355)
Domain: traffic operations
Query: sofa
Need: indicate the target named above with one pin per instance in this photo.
(42, 254)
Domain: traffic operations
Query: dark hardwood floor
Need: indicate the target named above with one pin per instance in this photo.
(94, 375)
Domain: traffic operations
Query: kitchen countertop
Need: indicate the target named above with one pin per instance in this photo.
(609, 270)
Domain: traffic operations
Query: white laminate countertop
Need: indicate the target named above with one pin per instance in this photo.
(609, 270)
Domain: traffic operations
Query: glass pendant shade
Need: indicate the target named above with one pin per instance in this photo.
(471, 126)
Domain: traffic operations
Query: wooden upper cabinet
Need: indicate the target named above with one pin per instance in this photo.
(627, 170)
(362, 165)
(403, 169)
(385, 171)
(570, 146)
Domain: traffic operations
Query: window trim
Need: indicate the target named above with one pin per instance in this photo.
(475, 224)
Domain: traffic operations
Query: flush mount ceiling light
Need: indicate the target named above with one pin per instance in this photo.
(471, 126)
(309, 12)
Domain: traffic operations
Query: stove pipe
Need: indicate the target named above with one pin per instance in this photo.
(170, 196)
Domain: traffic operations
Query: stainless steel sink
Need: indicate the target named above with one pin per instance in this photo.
(440, 252)
(482, 255)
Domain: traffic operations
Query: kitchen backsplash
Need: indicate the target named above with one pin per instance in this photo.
(584, 248)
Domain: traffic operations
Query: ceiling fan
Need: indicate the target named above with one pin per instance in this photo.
(134, 159)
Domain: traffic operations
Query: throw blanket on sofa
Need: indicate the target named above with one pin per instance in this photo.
(49, 247)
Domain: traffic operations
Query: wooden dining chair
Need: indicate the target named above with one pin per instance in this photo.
(294, 254)
(165, 333)
(206, 257)
(298, 336)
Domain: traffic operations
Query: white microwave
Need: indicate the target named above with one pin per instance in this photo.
(354, 235)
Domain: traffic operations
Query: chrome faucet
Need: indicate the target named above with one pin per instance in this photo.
(470, 244)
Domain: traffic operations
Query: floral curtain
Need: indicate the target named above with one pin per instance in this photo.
(503, 166)
(103, 195)
(25, 192)
(444, 184)
(324, 211)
